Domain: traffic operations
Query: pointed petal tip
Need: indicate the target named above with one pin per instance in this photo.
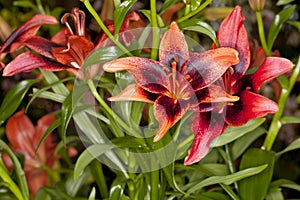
(174, 26)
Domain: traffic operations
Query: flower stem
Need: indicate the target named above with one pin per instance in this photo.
(191, 14)
(261, 32)
(103, 27)
(97, 171)
(231, 165)
(155, 33)
(109, 110)
(276, 123)
(154, 176)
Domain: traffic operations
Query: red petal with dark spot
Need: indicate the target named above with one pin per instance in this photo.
(148, 74)
(28, 61)
(26, 31)
(250, 106)
(232, 33)
(206, 127)
(167, 112)
(205, 68)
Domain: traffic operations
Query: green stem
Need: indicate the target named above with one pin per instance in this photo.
(191, 14)
(154, 177)
(155, 33)
(103, 27)
(276, 123)
(109, 110)
(261, 32)
(100, 179)
(231, 165)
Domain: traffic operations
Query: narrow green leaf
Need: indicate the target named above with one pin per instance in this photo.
(88, 155)
(147, 13)
(72, 185)
(256, 187)
(275, 194)
(290, 120)
(121, 12)
(242, 144)
(293, 146)
(117, 188)
(295, 23)
(285, 183)
(25, 4)
(169, 173)
(92, 195)
(59, 88)
(19, 170)
(228, 179)
(283, 2)
(13, 99)
(277, 23)
(10, 183)
(50, 95)
(66, 115)
(234, 132)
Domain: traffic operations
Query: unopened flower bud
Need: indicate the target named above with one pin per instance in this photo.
(257, 5)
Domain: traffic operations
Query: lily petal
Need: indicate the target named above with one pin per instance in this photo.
(20, 132)
(250, 106)
(205, 68)
(173, 44)
(271, 68)
(167, 112)
(134, 92)
(28, 61)
(213, 94)
(27, 30)
(232, 33)
(206, 127)
(148, 74)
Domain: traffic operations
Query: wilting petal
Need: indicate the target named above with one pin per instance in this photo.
(77, 50)
(206, 127)
(26, 31)
(167, 112)
(134, 93)
(20, 132)
(173, 44)
(28, 61)
(41, 45)
(148, 74)
(205, 68)
(232, 33)
(271, 68)
(250, 106)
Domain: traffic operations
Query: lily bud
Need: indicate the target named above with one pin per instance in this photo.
(257, 5)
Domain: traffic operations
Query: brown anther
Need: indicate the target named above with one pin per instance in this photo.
(184, 67)
(187, 77)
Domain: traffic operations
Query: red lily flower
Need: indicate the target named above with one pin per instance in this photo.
(250, 105)
(24, 138)
(174, 82)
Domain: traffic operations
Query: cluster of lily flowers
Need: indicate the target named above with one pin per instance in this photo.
(213, 84)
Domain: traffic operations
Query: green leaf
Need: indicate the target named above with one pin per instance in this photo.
(88, 155)
(49, 95)
(275, 194)
(25, 4)
(13, 99)
(58, 88)
(285, 183)
(92, 195)
(72, 185)
(283, 2)
(117, 188)
(290, 120)
(228, 179)
(18, 168)
(103, 55)
(293, 146)
(147, 13)
(200, 27)
(167, 4)
(234, 132)
(256, 187)
(120, 13)
(66, 115)
(277, 22)
(242, 144)
(169, 173)
(295, 23)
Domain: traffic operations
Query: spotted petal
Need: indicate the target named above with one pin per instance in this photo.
(232, 33)
(173, 43)
(250, 106)
(167, 112)
(148, 74)
(205, 68)
(206, 127)
(26, 31)
(28, 61)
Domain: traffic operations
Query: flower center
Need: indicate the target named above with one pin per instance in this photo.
(227, 79)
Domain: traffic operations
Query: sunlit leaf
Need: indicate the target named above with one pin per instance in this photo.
(283, 2)
(275, 194)
(228, 179)
(49, 95)
(234, 132)
(25, 4)
(277, 23)
(58, 88)
(117, 188)
(290, 120)
(13, 99)
(296, 24)
(256, 187)
(120, 13)
(92, 195)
